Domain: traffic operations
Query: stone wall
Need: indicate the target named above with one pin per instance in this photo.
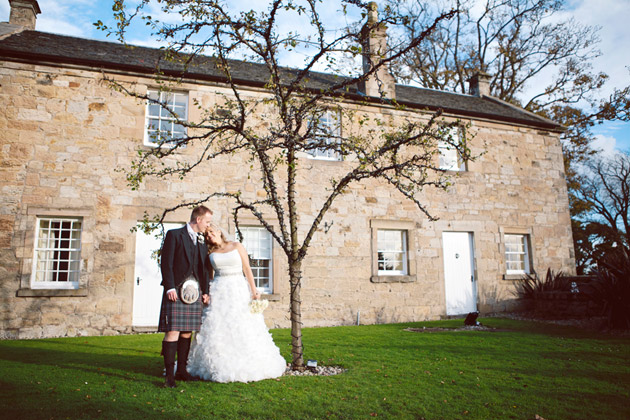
(63, 132)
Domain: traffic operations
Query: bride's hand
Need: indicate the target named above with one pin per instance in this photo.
(256, 295)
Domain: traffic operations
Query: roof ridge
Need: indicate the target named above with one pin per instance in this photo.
(45, 47)
(7, 29)
(521, 109)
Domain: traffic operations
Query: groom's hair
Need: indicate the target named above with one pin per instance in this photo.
(199, 211)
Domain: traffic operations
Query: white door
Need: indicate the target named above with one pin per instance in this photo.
(147, 292)
(459, 278)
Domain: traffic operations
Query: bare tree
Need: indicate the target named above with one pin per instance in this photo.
(403, 155)
(605, 186)
(516, 42)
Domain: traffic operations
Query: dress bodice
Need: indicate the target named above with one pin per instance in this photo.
(226, 263)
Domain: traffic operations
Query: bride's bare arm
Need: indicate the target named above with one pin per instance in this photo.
(247, 270)
(205, 298)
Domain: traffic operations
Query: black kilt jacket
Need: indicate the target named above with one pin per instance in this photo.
(178, 260)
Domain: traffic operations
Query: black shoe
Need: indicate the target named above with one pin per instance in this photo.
(183, 348)
(170, 383)
(184, 376)
(169, 350)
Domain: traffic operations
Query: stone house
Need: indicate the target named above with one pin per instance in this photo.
(70, 265)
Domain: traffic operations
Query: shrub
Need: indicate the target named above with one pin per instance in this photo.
(531, 286)
(611, 289)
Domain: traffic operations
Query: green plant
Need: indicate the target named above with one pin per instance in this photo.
(517, 370)
(531, 286)
(611, 289)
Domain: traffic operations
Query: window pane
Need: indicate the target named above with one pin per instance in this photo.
(181, 101)
(159, 120)
(166, 126)
(58, 250)
(257, 242)
(392, 251)
(154, 110)
(449, 158)
(328, 131)
(516, 256)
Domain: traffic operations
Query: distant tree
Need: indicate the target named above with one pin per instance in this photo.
(403, 155)
(605, 187)
(515, 42)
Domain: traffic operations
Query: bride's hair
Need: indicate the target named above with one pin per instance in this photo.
(211, 245)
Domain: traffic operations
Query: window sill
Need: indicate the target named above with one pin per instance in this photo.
(273, 297)
(393, 279)
(514, 276)
(52, 292)
(321, 159)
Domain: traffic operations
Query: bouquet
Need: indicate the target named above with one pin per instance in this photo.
(258, 306)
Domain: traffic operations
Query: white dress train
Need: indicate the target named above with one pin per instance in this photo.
(233, 345)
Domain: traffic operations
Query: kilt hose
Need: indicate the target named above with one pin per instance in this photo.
(180, 316)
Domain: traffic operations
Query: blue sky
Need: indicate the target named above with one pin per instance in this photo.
(76, 18)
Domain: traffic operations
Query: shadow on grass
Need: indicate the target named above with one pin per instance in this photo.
(86, 358)
(47, 404)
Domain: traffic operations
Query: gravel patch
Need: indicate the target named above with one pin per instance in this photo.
(316, 371)
(462, 328)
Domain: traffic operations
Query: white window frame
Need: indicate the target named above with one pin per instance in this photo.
(257, 250)
(525, 260)
(330, 125)
(47, 265)
(162, 116)
(449, 157)
(382, 249)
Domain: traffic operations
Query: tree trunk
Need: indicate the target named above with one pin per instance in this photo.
(297, 350)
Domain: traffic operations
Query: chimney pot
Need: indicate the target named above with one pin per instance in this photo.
(479, 84)
(381, 83)
(24, 13)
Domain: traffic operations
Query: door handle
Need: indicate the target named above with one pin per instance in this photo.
(472, 279)
(138, 281)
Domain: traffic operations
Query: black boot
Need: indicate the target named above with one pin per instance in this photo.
(169, 350)
(183, 347)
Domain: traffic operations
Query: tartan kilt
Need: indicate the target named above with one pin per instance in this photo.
(180, 316)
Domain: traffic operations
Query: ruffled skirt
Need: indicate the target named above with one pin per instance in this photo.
(233, 345)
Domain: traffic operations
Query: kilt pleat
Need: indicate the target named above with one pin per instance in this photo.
(179, 316)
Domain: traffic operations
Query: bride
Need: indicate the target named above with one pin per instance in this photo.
(233, 344)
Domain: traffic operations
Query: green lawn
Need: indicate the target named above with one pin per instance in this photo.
(518, 372)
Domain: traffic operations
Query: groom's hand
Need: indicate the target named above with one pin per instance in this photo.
(205, 299)
(172, 295)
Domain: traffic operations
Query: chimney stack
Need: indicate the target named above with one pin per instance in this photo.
(24, 13)
(479, 84)
(381, 83)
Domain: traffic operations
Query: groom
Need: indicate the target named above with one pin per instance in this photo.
(184, 257)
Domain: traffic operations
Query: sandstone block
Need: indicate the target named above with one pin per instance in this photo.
(30, 333)
(38, 115)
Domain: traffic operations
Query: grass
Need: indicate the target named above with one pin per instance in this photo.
(524, 370)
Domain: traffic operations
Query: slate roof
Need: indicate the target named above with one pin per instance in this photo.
(34, 46)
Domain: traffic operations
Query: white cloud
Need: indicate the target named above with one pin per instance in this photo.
(60, 26)
(4, 11)
(613, 17)
(606, 144)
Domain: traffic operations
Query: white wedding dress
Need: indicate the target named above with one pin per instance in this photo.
(233, 345)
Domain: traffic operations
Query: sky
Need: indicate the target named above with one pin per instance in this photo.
(76, 18)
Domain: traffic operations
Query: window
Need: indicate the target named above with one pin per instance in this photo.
(57, 253)
(329, 132)
(161, 125)
(517, 254)
(450, 158)
(392, 252)
(257, 242)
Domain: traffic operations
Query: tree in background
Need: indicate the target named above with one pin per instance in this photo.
(294, 109)
(515, 42)
(605, 187)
